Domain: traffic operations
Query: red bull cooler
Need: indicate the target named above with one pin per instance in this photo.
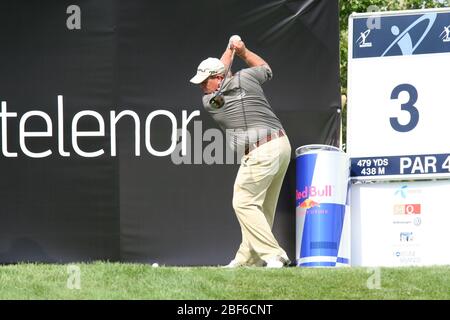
(322, 210)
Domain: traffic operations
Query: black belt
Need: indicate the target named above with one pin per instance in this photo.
(260, 142)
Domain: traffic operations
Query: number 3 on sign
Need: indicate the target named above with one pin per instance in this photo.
(408, 106)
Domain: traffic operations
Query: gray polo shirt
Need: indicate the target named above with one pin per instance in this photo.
(246, 115)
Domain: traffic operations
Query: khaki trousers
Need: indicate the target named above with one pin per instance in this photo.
(256, 190)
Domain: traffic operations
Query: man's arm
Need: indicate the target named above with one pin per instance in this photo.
(226, 57)
(249, 57)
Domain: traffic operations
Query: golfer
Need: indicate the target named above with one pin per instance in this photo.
(254, 131)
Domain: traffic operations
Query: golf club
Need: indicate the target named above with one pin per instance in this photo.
(217, 101)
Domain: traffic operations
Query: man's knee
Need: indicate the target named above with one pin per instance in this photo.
(240, 204)
(237, 204)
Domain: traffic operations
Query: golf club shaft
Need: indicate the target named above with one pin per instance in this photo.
(227, 71)
(217, 100)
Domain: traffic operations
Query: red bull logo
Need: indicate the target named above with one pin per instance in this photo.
(310, 206)
(309, 203)
(313, 191)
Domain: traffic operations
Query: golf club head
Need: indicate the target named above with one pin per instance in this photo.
(217, 102)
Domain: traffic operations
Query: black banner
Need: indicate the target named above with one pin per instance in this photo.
(107, 152)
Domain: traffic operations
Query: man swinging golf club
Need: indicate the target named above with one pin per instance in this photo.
(238, 104)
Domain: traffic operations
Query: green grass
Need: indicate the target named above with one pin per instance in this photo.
(102, 280)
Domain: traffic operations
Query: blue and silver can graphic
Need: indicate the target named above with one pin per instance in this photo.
(322, 211)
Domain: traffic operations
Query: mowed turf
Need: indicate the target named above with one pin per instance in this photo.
(102, 280)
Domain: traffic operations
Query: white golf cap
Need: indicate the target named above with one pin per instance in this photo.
(207, 68)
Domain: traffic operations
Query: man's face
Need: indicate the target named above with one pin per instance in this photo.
(211, 84)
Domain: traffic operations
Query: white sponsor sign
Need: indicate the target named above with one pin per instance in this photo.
(400, 224)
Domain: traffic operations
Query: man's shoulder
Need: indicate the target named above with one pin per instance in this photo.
(261, 73)
(263, 67)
